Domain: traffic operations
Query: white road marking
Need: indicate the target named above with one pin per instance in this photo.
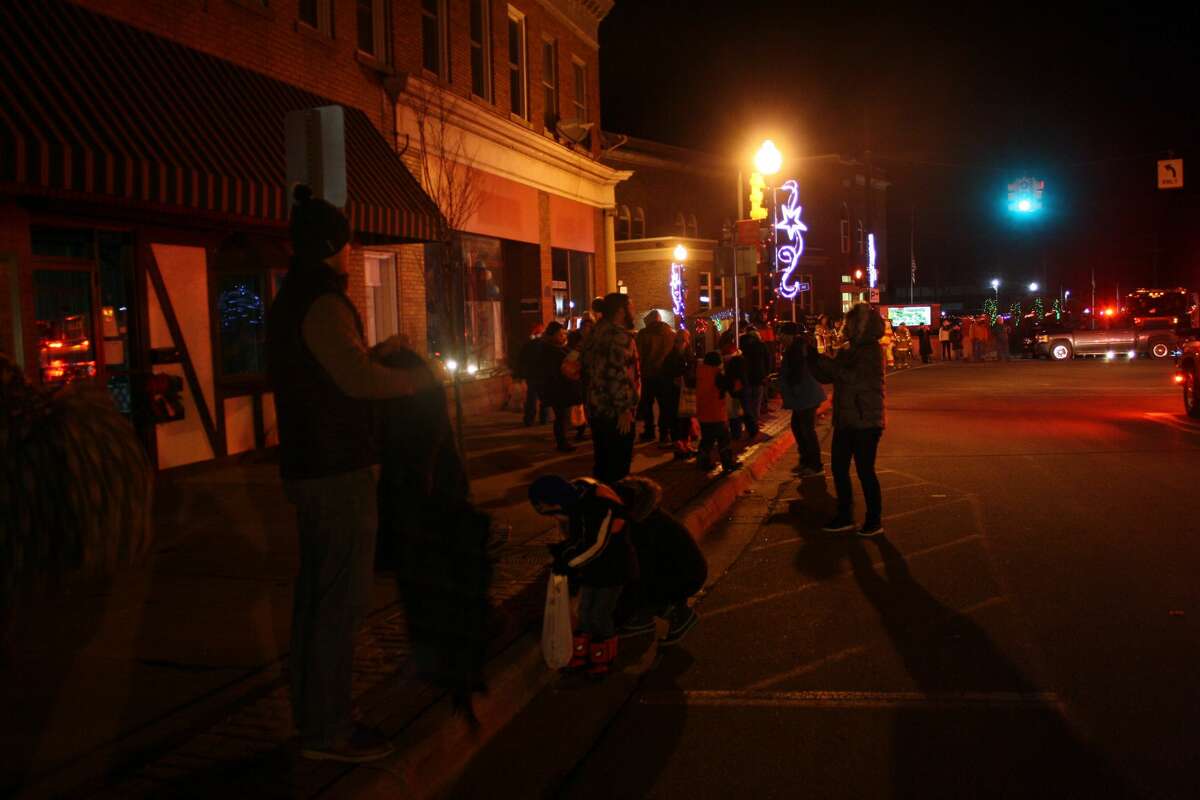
(843, 700)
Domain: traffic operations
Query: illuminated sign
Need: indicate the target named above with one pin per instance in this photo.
(787, 255)
(678, 293)
(910, 315)
(872, 274)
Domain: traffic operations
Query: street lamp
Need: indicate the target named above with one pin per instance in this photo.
(680, 253)
(768, 160)
(996, 285)
(1033, 287)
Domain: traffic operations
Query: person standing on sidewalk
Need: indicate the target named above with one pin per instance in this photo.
(556, 388)
(944, 339)
(733, 368)
(529, 369)
(680, 369)
(802, 394)
(758, 367)
(856, 373)
(654, 342)
(712, 391)
(614, 384)
(925, 345)
(325, 382)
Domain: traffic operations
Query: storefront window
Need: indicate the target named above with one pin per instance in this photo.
(242, 325)
(63, 307)
(484, 326)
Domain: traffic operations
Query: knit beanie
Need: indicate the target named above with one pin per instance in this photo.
(552, 494)
(317, 228)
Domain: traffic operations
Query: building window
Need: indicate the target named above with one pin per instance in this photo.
(372, 28)
(704, 295)
(517, 86)
(859, 238)
(693, 227)
(383, 309)
(680, 224)
(639, 223)
(624, 224)
(550, 83)
(481, 49)
(434, 56)
(579, 98)
(317, 14)
(718, 293)
(845, 231)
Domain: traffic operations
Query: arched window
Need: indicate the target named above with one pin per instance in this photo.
(639, 223)
(693, 227)
(680, 224)
(624, 224)
(862, 246)
(845, 230)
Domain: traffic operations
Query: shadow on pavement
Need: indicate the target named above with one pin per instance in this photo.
(982, 728)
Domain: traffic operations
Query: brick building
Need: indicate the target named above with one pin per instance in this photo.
(144, 196)
(680, 196)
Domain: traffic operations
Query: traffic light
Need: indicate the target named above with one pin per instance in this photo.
(858, 276)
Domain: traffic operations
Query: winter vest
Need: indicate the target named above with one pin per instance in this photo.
(322, 431)
(710, 400)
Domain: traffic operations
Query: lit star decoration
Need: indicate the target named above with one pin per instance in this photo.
(678, 294)
(788, 255)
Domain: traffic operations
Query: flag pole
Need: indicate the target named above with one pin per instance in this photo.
(912, 256)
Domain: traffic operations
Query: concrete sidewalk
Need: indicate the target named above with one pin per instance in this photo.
(172, 680)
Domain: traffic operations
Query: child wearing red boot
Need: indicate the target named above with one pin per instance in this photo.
(596, 555)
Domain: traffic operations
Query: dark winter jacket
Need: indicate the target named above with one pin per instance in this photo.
(680, 364)
(654, 343)
(925, 336)
(796, 381)
(558, 389)
(856, 373)
(671, 567)
(529, 361)
(758, 358)
(597, 551)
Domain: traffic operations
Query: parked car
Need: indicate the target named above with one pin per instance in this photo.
(1120, 341)
(1187, 374)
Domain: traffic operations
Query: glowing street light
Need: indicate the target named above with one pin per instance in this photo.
(680, 253)
(996, 283)
(1033, 287)
(768, 160)
(451, 365)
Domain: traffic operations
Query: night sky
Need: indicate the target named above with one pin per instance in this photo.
(954, 106)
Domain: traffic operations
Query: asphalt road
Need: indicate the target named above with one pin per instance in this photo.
(1027, 627)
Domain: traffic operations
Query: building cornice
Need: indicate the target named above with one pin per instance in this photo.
(583, 17)
(510, 150)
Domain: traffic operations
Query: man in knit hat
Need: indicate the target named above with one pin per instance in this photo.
(325, 383)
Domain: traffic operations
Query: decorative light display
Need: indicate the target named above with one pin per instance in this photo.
(678, 294)
(239, 305)
(992, 309)
(787, 255)
(1014, 311)
(1058, 310)
(1039, 308)
(757, 185)
(872, 273)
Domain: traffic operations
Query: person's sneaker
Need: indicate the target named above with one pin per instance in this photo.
(680, 620)
(810, 472)
(362, 745)
(870, 529)
(638, 625)
(838, 524)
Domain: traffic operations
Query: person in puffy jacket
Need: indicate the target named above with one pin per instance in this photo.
(802, 394)
(679, 368)
(856, 372)
(713, 388)
(596, 555)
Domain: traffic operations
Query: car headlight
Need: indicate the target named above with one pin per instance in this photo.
(1043, 338)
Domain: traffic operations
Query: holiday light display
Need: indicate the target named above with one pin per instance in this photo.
(678, 295)
(787, 255)
(872, 273)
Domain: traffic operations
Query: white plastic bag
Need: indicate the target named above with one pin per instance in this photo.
(556, 624)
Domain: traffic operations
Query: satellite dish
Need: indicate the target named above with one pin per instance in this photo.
(573, 130)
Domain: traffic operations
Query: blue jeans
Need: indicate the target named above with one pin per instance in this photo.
(752, 397)
(337, 519)
(861, 446)
(596, 607)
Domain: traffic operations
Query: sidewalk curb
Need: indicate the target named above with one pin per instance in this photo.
(436, 747)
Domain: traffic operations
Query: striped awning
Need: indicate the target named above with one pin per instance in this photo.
(96, 109)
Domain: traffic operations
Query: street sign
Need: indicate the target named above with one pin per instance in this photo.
(801, 286)
(874, 296)
(746, 260)
(1170, 173)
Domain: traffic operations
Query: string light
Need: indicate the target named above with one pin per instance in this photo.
(788, 255)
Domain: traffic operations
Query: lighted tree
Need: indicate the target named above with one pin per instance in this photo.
(1039, 308)
(1057, 309)
(992, 309)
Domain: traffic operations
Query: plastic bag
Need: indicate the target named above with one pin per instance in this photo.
(556, 624)
(578, 416)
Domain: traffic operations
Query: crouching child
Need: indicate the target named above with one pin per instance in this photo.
(596, 556)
